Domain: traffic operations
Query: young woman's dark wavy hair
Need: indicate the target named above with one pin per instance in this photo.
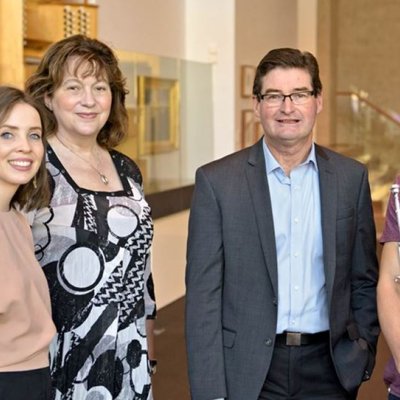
(31, 195)
(98, 60)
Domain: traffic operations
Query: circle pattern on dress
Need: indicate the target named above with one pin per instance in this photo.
(80, 258)
(122, 220)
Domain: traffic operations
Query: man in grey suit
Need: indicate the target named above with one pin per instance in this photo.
(281, 264)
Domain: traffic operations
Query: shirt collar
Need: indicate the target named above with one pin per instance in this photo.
(271, 164)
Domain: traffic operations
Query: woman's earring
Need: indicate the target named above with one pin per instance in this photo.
(34, 182)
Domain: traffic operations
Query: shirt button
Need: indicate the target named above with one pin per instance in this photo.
(296, 220)
(296, 288)
(296, 254)
(268, 342)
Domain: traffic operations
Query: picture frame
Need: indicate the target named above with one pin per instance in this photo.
(251, 128)
(247, 73)
(132, 131)
(158, 115)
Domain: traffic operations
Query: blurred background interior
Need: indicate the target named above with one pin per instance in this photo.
(189, 67)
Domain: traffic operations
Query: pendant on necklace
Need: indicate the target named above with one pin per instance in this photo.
(103, 178)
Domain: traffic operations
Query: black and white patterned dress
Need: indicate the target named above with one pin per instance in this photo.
(94, 248)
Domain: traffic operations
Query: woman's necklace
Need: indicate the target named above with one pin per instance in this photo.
(103, 178)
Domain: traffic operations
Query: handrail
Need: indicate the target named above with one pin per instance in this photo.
(370, 104)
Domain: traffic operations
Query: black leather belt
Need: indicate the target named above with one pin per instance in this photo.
(301, 339)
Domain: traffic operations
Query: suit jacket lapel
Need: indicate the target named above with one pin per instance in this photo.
(328, 195)
(259, 193)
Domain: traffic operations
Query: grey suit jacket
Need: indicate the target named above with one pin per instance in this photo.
(231, 276)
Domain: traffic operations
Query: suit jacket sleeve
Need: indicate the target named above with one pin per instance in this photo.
(365, 269)
(204, 285)
(354, 353)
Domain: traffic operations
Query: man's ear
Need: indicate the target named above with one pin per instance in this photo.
(256, 106)
(319, 103)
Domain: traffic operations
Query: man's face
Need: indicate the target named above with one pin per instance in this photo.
(287, 124)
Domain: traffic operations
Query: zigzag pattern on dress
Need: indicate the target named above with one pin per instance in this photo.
(89, 219)
(133, 280)
(112, 290)
(126, 290)
(133, 290)
(141, 240)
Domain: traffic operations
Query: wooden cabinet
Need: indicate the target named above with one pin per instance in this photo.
(11, 43)
(50, 22)
(28, 27)
(46, 22)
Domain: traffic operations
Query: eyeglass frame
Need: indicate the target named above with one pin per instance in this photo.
(312, 93)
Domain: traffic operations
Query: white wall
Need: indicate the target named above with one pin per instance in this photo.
(307, 33)
(261, 25)
(210, 37)
(307, 25)
(151, 27)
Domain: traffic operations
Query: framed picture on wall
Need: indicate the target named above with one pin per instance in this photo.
(158, 115)
(251, 128)
(247, 74)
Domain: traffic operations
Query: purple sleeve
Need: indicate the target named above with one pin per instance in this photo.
(389, 373)
(391, 230)
(391, 377)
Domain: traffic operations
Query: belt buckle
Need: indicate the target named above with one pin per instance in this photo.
(293, 339)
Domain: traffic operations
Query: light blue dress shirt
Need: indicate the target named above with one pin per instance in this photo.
(296, 209)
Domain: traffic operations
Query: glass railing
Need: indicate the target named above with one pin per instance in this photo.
(372, 135)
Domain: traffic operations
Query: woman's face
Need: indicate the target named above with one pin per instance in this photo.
(81, 104)
(21, 146)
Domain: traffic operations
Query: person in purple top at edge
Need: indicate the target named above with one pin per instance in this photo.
(391, 378)
(388, 296)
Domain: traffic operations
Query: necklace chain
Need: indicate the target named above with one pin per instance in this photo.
(103, 177)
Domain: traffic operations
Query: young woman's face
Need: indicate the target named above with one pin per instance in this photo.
(21, 146)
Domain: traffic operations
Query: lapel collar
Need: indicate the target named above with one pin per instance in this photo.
(328, 196)
(259, 193)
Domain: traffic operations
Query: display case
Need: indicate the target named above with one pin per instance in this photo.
(170, 118)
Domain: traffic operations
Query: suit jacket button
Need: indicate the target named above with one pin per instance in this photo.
(268, 342)
(275, 301)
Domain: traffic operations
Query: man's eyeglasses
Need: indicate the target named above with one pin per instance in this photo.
(276, 99)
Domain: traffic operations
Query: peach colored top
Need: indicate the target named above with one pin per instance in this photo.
(26, 327)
